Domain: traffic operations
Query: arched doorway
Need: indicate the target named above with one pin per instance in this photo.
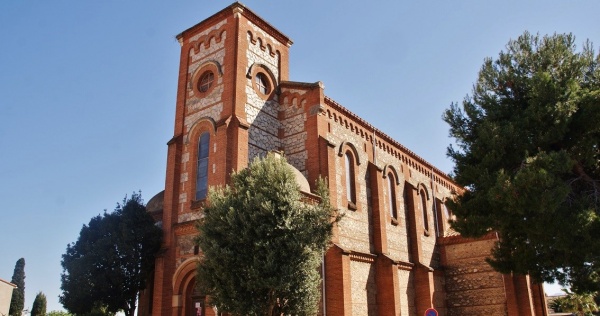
(188, 300)
(195, 302)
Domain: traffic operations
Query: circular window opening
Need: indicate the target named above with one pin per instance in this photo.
(262, 83)
(206, 81)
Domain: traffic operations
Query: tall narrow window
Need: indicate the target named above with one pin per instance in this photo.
(350, 188)
(447, 212)
(424, 209)
(202, 171)
(437, 220)
(392, 195)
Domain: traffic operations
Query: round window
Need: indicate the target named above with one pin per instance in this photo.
(206, 81)
(262, 83)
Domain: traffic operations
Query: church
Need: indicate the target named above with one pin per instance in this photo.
(393, 253)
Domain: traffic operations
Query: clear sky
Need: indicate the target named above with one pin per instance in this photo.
(87, 92)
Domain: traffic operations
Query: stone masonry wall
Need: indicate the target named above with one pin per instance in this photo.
(472, 286)
(407, 292)
(294, 131)
(363, 288)
(261, 114)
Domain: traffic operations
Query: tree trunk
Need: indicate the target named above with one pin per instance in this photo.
(130, 311)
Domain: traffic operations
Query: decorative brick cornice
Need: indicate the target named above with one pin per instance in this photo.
(357, 255)
(264, 25)
(362, 257)
(205, 40)
(235, 10)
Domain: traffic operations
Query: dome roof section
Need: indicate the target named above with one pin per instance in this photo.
(155, 205)
(300, 179)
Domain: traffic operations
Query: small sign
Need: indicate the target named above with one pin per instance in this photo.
(431, 312)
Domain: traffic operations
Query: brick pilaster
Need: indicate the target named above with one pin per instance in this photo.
(338, 287)
(539, 299)
(423, 288)
(388, 287)
(523, 292)
(378, 203)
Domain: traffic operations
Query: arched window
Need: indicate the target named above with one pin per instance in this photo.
(350, 184)
(447, 212)
(392, 196)
(424, 210)
(202, 171)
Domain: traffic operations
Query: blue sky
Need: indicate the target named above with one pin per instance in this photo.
(87, 92)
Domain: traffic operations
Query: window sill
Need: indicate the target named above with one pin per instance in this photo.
(352, 206)
(197, 204)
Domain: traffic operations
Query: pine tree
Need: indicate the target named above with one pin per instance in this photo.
(529, 156)
(39, 305)
(17, 302)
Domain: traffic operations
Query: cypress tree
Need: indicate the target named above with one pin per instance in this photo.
(39, 305)
(17, 302)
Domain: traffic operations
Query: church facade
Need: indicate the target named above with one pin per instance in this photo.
(393, 252)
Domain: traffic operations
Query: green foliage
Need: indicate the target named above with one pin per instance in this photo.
(98, 310)
(111, 260)
(580, 304)
(528, 154)
(39, 305)
(58, 313)
(95, 311)
(262, 244)
(17, 302)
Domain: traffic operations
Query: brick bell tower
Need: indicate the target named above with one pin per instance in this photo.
(226, 114)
